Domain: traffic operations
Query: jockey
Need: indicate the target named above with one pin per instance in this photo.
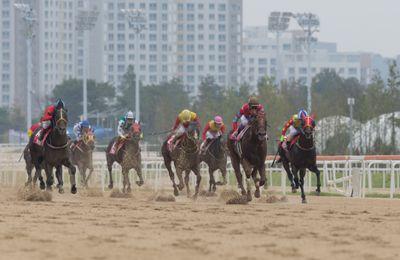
(247, 113)
(293, 125)
(182, 122)
(214, 129)
(47, 118)
(81, 128)
(125, 125)
(33, 128)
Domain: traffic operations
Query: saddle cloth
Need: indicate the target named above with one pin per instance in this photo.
(36, 137)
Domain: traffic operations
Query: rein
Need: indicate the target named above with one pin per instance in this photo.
(56, 147)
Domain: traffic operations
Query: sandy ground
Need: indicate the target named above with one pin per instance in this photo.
(82, 227)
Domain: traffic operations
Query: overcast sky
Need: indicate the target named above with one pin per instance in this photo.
(355, 25)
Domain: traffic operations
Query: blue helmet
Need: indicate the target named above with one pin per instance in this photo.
(85, 123)
(302, 113)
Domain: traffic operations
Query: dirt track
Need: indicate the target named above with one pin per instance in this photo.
(81, 227)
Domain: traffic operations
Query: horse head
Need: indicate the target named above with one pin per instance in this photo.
(260, 126)
(190, 139)
(308, 127)
(61, 121)
(89, 139)
(136, 131)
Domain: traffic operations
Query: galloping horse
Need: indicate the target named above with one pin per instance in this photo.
(302, 156)
(128, 156)
(54, 153)
(186, 159)
(215, 157)
(251, 152)
(82, 156)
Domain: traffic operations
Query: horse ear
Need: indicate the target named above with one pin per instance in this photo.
(313, 116)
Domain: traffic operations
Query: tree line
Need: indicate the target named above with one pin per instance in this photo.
(160, 103)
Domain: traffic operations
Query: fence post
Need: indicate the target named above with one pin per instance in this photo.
(392, 184)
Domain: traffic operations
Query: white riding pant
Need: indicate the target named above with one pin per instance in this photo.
(292, 133)
(243, 120)
(213, 135)
(46, 124)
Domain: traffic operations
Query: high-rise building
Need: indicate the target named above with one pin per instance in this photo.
(260, 58)
(7, 52)
(185, 39)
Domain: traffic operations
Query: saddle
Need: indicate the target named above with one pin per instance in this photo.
(76, 145)
(38, 134)
(118, 144)
(239, 140)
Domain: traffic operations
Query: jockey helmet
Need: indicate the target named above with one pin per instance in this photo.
(186, 116)
(85, 123)
(302, 113)
(129, 115)
(253, 101)
(218, 120)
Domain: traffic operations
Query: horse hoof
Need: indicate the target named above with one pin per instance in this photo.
(304, 201)
(262, 183)
(249, 198)
(181, 186)
(139, 183)
(49, 188)
(318, 191)
(61, 190)
(194, 197)
(257, 194)
(42, 186)
(294, 190)
(73, 189)
(111, 186)
(128, 190)
(176, 192)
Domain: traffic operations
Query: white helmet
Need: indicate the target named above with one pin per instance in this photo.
(129, 115)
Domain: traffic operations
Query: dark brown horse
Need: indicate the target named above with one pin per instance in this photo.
(186, 159)
(215, 157)
(82, 156)
(54, 153)
(302, 156)
(128, 156)
(251, 152)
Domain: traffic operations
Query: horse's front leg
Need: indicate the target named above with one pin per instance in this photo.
(212, 183)
(72, 175)
(196, 171)
(238, 174)
(257, 193)
(303, 195)
(315, 169)
(248, 169)
(290, 175)
(49, 176)
(88, 176)
(60, 180)
(126, 182)
(138, 169)
(180, 178)
(187, 173)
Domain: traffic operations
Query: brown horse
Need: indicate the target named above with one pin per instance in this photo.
(82, 156)
(128, 156)
(302, 156)
(186, 159)
(215, 157)
(251, 152)
(54, 153)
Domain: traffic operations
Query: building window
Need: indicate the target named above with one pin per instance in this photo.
(303, 70)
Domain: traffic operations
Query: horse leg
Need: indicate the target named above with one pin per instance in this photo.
(196, 171)
(290, 175)
(303, 195)
(127, 181)
(29, 168)
(60, 180)
(257, 193)
(187, 173)
(72, 172)
(296, 176)
(261, 171)
(248, 171)
(212, 183)
(138, 170)
(238, 174)
(167, 162)
(180, 178)
(88, 177)
(82, 172)
(223, 173)
(314, 169)
(49, 175)
(109, 166)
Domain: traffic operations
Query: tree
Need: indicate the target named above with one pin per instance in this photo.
(393, 96)
(100, 96)
(126, 90)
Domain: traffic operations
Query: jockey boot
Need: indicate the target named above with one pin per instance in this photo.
(171, 142)
(204, 146)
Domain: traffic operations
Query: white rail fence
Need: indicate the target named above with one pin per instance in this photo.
(350, 176)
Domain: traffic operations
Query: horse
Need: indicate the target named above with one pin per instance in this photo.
(54, 153)
(81, 155)
(128, 156)
(250, 152)
(215, 157)
(186, 159)
(29, 166)
(301, 156)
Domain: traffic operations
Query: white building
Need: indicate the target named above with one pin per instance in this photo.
(186, 39)
(260, 58)
(7, 51)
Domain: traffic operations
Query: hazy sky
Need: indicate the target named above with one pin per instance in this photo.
(356, 25)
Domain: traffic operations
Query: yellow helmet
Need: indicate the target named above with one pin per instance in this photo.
(186, 116)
